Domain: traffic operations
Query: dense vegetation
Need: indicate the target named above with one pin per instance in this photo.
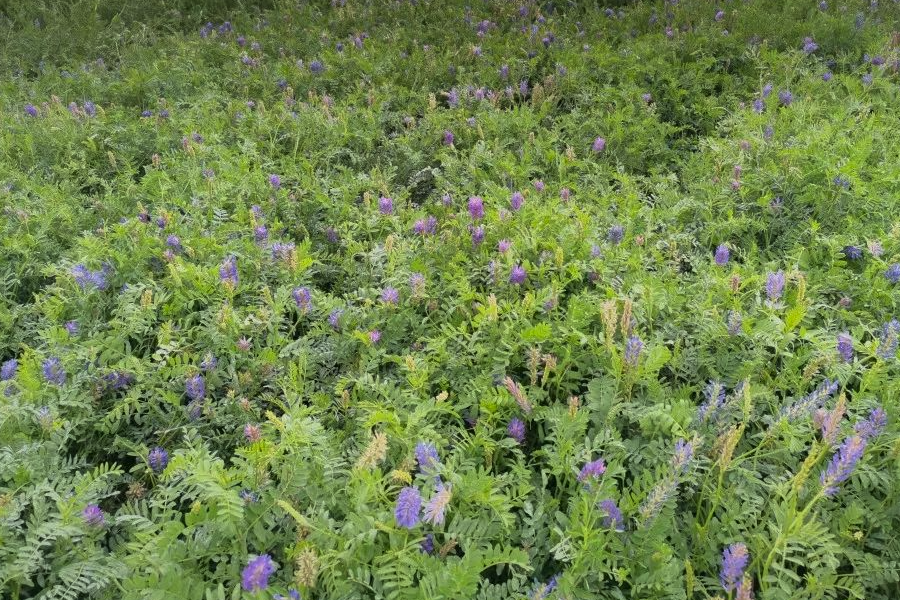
(441, 300)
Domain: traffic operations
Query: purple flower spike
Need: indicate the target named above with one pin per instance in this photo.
(158, 458)
(774, 286)
(195, 387)
(614, 518)
(8, 369)
(476, 208)
(722, 255)
(409, 505)
(516, 430)
(255, 575)
(53, 371)
(842, 464)
(592, 470)
(734, 562)
(516, 201)
(599, 145)
(517, 275)
(390, 295)
(633, 347)
(616, 234)
(845, 347)
(93, 516)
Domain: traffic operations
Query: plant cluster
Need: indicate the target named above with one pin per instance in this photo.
(446, 300)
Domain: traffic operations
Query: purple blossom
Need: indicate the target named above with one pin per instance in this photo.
(684, 452)
(409, 505)
(614, 518)
(811, 401)
(72, 327)
(477, 234)
(53, 371)
(158, 458)
(30, 110)
(209, 362)
(375, 336)
(809, 46)
(767, 90)
(826, 76)
(887, 345)
(385, 205)
(893, 273)
(426, 457)
(592, 470)
(302, 298)
(93, 516)
(516, 430)
(427, 545)
(633, 347)
(255, 575)
(261, 233)
(599, 145)
(845, 347)
(426, 226)
(867, 79)
(248, 496)
(8, 369)
(785, 97)
(503, 246)
(390, 295)
(228, 272)
(873, 425)
(252, 432)
(774, 286)
(759, 106)
(417, 284)
(85, 278)
(545, 589)
(615, 234)
(516, 201)
(734, 563)
(715, 396)
(334, 318)
(722, 255)
(720, 14)
(852, 252)
(195, 387)
(90, 109)
(842, 464)
(283, 250)
(476, 208)
(275, 181)
(539, 186)
(316, 66)
(448, 137)
(173, 242)
(517, 275)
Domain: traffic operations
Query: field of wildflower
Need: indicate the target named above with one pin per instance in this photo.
(449, 300)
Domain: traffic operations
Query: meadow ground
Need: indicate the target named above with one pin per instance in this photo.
(449, 300)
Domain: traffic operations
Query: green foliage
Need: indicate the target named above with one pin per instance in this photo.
(311, 414)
